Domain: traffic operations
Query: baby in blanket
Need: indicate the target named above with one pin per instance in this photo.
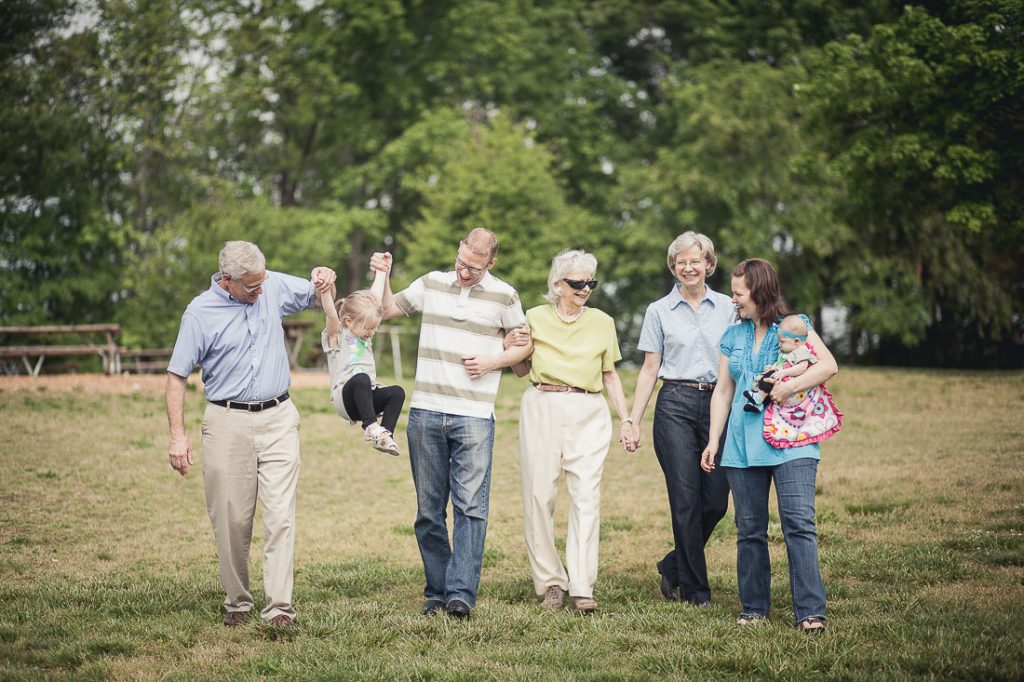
(808, 416)
(795, 356)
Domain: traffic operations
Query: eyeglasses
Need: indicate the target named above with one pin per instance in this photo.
(579, 284)
(694, 264)
(459, 265)
(253, 289)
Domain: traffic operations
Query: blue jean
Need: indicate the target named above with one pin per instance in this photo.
(697, 500)
(451, 458)
(794, 488)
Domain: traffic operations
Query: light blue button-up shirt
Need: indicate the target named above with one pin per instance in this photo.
(240, 346)
(687, 339)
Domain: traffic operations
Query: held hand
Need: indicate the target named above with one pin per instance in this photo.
(323, 278)
(180, 455)
(707, 458)
(477, 365)
(380, 262)
(630, 436)
(520, 336)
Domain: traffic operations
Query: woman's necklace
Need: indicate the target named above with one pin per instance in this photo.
(569, 319)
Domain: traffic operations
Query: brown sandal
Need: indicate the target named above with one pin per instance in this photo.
(814, 625)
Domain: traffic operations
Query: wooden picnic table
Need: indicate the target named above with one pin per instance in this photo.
(108, 350)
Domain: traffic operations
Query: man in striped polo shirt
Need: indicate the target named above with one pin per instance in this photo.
(466, 313)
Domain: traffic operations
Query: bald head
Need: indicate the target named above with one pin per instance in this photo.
(482, 241)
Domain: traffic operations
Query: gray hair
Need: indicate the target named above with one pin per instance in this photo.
(687, 240)
(563, 263)
(238, 259)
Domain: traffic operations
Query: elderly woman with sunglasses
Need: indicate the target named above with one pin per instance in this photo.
(680, 338)
(565, 427)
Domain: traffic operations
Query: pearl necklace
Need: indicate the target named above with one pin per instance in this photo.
(569, 320)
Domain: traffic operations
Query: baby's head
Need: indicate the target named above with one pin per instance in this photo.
(360, 313)
(792, 333)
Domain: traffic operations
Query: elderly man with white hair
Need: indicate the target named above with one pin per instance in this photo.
(250, 427)
(565, 427)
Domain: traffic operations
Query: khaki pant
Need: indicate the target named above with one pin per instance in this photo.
(559, 432)
(245, 454)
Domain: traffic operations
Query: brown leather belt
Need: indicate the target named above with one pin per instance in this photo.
(558, 388)
(699, 385)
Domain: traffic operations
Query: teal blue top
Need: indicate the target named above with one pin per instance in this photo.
(745, 445)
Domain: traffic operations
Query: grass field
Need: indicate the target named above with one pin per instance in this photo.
(108, 571)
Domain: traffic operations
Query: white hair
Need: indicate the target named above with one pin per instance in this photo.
(563, 263)
(238, 259)
(686, 241)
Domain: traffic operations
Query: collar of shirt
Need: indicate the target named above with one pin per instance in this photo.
(679, 300)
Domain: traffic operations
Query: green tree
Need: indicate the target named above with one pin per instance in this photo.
(921, 120)
(62, 237)
(180, 256)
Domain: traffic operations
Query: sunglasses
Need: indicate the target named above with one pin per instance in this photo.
(579, 284)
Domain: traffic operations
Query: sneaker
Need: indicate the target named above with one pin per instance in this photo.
(584, 604)
(554, 598)
(380, 438)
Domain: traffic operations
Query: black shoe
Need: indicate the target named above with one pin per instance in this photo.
(458, 608)
(749, 407)
(667, 591)
(432, 606)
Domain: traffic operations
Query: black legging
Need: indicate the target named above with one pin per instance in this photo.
(363, 402)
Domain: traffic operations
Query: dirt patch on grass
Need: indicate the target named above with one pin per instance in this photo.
(130, 383)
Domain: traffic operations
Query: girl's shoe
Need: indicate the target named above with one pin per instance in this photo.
(380, 438)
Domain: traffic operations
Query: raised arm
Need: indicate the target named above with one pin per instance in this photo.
(381, 264)
(721, 402)
(332, 324)
(180, 450)
(324, 282)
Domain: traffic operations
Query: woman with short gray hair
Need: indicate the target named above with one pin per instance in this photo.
(565, 426)
(680, 338)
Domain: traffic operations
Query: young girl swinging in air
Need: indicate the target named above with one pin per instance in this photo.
(346, 340)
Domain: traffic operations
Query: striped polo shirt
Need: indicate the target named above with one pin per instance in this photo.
(458, 322)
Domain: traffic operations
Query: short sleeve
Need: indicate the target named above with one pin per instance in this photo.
(807, 321)
(729, 339)
(513, 315)
(611, 353)
(294, 293)
(652, 336)
(189, 347)
(410, 299)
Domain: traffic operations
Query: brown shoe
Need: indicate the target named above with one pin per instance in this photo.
(584, 604)
(554, 598)
(233, 619)
(282, 621)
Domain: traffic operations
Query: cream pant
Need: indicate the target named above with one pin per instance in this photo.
(245, 453)
(559, 432)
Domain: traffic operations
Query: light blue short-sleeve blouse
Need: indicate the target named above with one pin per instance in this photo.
(745, 445)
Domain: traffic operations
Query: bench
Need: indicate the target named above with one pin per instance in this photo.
(108, 350)
(156, 359)
(144, 361)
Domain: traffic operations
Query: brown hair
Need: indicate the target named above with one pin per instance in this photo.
(360, 305)
(765, 290)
